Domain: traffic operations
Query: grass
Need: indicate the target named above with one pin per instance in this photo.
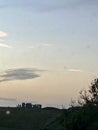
(30, 119)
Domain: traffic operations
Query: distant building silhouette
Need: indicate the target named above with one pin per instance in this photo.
(30, 106)
(23, 105)
(39, 106)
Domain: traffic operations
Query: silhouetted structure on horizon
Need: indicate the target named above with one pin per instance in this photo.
(30, 106)
(23, 105)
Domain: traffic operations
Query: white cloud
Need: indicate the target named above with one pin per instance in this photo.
(74, 70)
(2, 42)
(5, 45)
(3, 34)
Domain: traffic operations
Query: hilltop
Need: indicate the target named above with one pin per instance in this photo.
(30, 119)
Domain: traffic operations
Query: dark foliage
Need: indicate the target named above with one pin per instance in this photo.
(84, 117)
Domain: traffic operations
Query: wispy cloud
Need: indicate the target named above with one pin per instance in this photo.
(47, 45)
(20, 74)
(41, 46)
(7, 99)
(2, 41)
(3, 34)
(48, 5)
(52, 5)
(5, 45)
(73, 70)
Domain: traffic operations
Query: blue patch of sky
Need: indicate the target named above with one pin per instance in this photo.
(71, 26)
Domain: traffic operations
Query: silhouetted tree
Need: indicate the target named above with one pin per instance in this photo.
(89, 96)
(84, 117)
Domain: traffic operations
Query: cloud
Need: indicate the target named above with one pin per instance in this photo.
(7, 99)
(2, 44)
(3, 34)
(5, 45)
(47, 45)
(41, 46)
(67, 4)
(48, 5)
(52, 5)
(19, 74)
(73, 70)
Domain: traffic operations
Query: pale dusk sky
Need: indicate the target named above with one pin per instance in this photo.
(48, 50)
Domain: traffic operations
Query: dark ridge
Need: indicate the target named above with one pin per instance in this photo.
(51, 108)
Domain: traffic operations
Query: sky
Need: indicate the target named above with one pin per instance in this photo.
(48, 50)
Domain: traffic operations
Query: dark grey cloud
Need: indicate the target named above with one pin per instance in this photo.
(48, 5)
(19, 74)
(8, 99)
